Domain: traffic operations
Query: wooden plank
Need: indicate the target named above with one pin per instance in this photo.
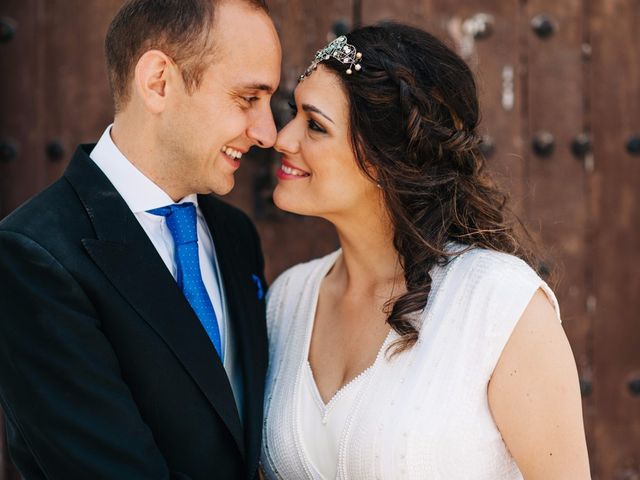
(615, 94)
(77, 103)
(57, 89)
(557, 198)
(20, 97)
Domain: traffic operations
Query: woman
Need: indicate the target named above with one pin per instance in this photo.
(425, 347)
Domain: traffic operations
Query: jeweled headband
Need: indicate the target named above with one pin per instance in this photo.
(341, 51)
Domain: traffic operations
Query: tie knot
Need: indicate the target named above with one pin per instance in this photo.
(181, 221)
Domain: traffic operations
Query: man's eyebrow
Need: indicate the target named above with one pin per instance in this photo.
(310, 108)
(259, 86)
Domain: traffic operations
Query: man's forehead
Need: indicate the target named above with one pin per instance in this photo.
(247, 52)
(240, 25)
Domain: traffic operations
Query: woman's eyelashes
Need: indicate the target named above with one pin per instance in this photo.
(311, 124)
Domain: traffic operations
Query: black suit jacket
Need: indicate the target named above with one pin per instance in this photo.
(105, 370)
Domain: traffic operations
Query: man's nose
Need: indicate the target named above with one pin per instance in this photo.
(263, 130)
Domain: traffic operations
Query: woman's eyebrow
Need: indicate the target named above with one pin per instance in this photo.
(310, 108)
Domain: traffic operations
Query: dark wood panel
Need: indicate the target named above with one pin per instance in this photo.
(615, 94)
(77, 105)
(556, 200)
(56, 90)
(21, 98)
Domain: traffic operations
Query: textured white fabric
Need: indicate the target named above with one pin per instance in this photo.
(424, 414)
(321, 424)
(141, 194)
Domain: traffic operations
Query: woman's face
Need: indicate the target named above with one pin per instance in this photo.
(319, 175)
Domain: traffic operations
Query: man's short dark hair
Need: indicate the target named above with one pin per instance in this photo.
(179, 28)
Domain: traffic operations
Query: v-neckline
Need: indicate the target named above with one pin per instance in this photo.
(326, 406)
(311, 321)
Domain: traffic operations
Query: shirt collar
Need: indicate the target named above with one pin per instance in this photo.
(137, 190)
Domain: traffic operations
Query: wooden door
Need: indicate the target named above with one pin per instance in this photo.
(614, 242)
(560, 92)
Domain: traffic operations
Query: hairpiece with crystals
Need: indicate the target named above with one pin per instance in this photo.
(341, 51)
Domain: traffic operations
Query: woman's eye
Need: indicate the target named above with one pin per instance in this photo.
(293, 111)
(315, 127)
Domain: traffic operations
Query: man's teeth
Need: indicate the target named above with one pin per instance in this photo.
(293, 171)
(231, 152)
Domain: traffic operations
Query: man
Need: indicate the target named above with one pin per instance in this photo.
(132, 336)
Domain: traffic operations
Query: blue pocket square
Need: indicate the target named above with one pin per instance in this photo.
(260, 292)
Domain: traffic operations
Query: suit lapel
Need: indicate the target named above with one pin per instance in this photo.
(239, 290)
(127, 257)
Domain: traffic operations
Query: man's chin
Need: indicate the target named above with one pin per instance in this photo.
(223, 188)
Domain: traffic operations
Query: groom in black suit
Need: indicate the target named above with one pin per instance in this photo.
(132, 328)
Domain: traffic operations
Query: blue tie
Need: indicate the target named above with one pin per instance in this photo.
(182, 220)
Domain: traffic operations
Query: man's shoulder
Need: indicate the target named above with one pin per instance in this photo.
(54, 209)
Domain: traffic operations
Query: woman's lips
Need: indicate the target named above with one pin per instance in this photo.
(288, 172)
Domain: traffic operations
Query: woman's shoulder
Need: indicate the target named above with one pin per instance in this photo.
(490, 265)
(288, 287)
(487, 294)
(495, 280)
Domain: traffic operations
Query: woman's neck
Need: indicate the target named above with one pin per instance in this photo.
(370, 263)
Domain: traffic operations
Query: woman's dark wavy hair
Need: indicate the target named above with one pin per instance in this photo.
(413, 122)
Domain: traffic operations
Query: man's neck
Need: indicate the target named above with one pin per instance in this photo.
(141, 150)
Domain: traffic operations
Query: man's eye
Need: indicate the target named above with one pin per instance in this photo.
(250, 100)
(315, 127)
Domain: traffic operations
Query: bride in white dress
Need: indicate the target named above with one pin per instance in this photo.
(426, 347)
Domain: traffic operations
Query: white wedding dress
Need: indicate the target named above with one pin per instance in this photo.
(424, 414)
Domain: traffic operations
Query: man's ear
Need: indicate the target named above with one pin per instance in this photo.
(153, 73)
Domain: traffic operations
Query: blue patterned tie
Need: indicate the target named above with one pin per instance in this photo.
(182, 221)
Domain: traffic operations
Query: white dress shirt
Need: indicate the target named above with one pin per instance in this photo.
(141, 195)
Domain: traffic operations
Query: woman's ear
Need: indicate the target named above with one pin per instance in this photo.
(372, 174)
